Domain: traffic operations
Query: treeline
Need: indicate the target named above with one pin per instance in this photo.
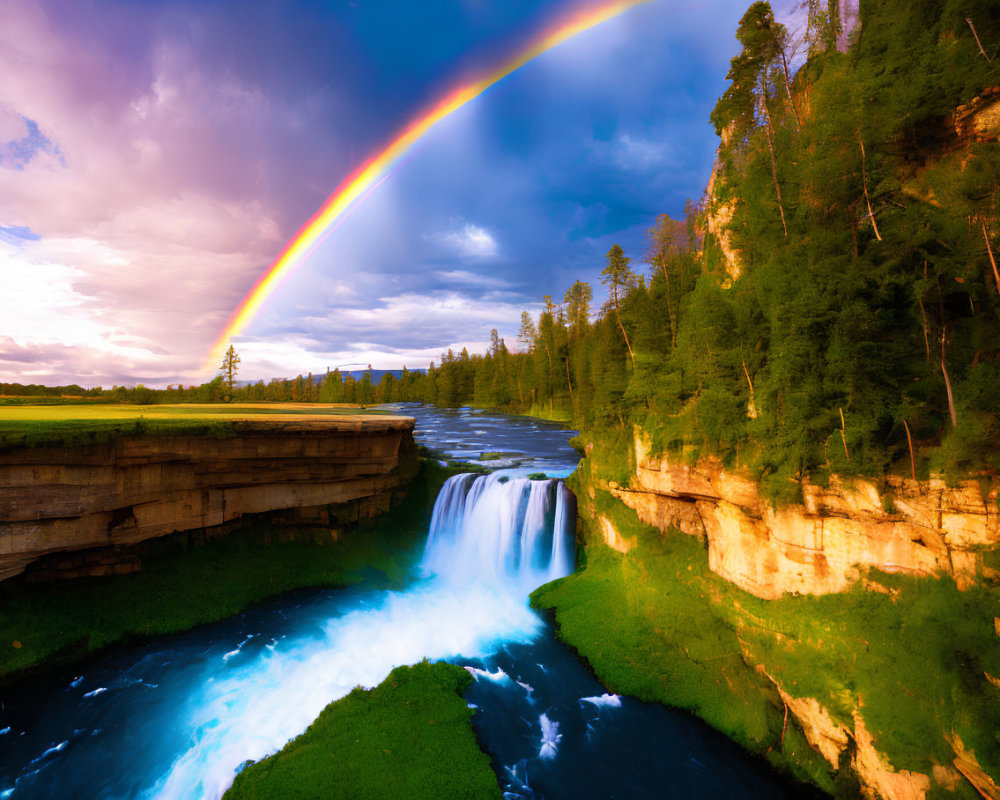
(37, 390)
(835, 304)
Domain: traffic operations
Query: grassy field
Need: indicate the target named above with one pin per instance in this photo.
(913, 660)
(410, 737)
(50, 425)
(183, 587)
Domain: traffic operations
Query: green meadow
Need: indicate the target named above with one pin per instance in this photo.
(70, 424)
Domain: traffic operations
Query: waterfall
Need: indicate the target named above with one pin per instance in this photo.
(498, 529)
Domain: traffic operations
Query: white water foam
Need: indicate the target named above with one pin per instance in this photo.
(490, 543)
(496, 677)
(550, 737)
(604, 700)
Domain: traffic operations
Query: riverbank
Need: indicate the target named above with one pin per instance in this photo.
(186, 582)
(409, 737)
(888, 687)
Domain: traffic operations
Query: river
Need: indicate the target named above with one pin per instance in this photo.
(177, 716)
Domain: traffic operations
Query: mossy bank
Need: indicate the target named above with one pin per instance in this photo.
(410, 737)
(889, 687)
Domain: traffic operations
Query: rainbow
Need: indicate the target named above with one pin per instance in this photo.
(366, 178)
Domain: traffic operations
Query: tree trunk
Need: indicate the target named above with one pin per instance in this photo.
(569, 383)
(982, 52)
(670, 308)
(788, 88)
(752, 406)
(774, 163)
(993, 261)
(927, 341)
(864, 181)
(619, 316)
(947, 386)
(843, 434)
(913, 462)
(944, 351)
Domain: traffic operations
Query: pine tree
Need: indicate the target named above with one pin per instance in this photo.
(230, 366)
(619, 279)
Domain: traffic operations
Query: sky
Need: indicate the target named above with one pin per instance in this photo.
(156, 155)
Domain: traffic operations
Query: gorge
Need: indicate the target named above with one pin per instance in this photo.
(186, 711)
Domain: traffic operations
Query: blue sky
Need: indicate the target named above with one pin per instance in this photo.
(155, 156)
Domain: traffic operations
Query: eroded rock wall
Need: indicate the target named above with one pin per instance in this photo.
(826, 543)
(58, 500)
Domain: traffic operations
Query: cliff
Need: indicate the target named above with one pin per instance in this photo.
(853, 639)
(75, 507)
(828, 542)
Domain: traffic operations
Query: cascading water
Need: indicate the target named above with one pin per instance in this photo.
(501, 531)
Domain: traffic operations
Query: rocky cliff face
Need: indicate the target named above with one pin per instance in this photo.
(94, 499)
(826, 543)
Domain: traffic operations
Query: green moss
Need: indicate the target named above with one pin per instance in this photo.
(657, 623)
(183, 587)
(410, 737)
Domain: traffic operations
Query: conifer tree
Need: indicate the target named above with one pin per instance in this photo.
(230, 366)
(619, 279)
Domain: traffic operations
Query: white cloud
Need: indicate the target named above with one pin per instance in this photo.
(150, 222)
(470, 242)
(635, 154)
(412, 328)
(464, 277)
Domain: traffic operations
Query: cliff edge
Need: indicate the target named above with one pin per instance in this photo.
(73, 506)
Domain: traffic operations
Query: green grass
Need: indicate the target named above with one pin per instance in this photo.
(184, 587)
(65, 424)
(410, 737)
(497, 456)
(658, 624)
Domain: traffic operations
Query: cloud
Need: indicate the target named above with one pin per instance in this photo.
(412, 328)
(130, 200)
(463, 277)
(470, 242)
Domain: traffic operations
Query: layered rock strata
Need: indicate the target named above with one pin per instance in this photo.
(87, 502)
(829, 541)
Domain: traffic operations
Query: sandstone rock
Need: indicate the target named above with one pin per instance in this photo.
(820, 730)
(718, 218)
(878, 778)
(120, 493)
(612, 538)
(828, 542)
(966, 763)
